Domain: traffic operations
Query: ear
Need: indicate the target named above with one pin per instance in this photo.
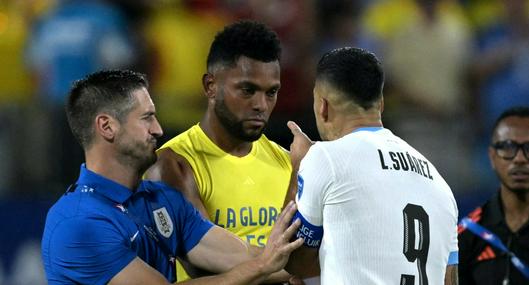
(106, 126)
(324, 109)
(208, 83)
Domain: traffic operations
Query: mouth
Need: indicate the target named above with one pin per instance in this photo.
(519, 174)
(256, 122)
(153, 142)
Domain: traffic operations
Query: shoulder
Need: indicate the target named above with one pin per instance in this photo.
(276, 150)
(164, 192)
(182, 140)
(266, 142)
(83, 228)
(170, 167)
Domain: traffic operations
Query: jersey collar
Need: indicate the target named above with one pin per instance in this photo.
(104, 186)
(368, 129)
(493, 215)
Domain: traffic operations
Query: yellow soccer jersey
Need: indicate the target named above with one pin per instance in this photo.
(242, 194)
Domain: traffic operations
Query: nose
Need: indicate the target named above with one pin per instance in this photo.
(259, 102)
(156, 129)
(521, 156)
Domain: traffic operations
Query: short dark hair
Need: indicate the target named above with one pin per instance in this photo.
(355, 72)
(244, 38)
(108, 91)
(516, 111)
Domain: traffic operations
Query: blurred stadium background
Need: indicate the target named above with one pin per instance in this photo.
(451, 67)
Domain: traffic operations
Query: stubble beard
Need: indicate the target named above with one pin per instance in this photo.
(231, 124)
(137, 154)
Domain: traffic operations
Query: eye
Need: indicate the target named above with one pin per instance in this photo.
(248, 91)
(272, 92)
(149, 117)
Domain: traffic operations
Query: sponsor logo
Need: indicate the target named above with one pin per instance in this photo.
(249, 181)
(300, 186)
(486, 254)
(163, 222)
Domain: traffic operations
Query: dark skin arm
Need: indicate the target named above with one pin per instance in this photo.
(174, 170)
(298, 148)
(451, 277)
(304, 262)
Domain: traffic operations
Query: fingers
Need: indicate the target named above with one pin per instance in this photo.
(286, 215)
(292, 229)
(294, 280)
(294, 128)
(291, 246)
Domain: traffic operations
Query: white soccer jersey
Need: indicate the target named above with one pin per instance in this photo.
(387, 215)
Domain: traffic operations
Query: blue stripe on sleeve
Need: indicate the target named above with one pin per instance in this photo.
(453, 258)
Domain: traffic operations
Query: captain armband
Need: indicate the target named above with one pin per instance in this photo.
(311, 234)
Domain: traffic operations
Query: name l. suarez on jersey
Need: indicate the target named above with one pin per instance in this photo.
(400, 161)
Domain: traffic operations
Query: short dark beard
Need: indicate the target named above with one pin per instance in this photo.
(521, 193)
(230, 123)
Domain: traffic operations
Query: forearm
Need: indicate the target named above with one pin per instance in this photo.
(250, 272)
(304, 263)
(278, 277)
(451, 277)
(292, 187)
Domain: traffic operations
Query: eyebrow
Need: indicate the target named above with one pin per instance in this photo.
(256, 86)
(149, 113)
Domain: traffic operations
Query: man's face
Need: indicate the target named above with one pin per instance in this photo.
(136, 138)
(245, 97)
(513, 173)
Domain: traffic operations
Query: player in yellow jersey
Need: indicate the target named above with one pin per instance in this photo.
(224, 165)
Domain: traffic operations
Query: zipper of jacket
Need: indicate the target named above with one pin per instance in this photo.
(506, 280)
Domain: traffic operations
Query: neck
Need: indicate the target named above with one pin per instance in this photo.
(347, 124)
(218, 134)
(515, 207)
(108, 166)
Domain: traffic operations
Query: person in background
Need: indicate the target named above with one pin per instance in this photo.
(71, 40)
(504, 217)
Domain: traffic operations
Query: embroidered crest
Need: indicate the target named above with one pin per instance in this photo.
(163, 222)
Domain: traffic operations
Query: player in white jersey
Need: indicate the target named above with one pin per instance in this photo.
(374, 209)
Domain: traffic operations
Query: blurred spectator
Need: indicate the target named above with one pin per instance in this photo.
(15, 88)
(500, 68)
(501, 64)
(75, 38)
(426, 54)
(179, 35)
(340, 24)
(294, 22)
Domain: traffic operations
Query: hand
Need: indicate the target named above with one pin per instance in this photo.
(294, 280)
(300, 144)
(279, 247)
